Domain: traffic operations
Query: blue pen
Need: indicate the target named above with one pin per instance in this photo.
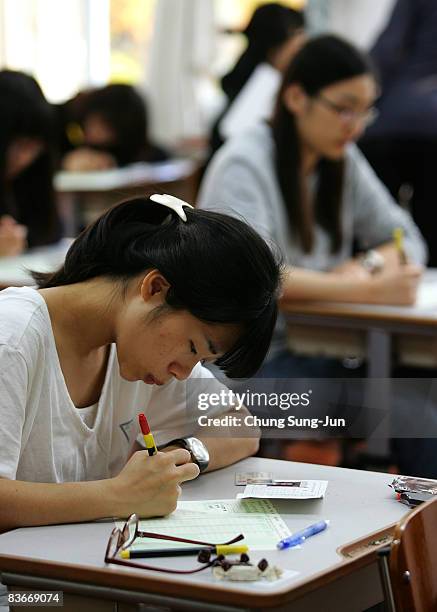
(300, 536)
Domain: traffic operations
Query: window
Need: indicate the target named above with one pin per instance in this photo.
(131, 23)
(63, 44)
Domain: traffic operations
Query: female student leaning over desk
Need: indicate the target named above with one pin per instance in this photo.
(28, 214)
(146, 294)
(303, 185)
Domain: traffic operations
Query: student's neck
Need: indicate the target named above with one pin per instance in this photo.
(309, 160)
(85, 313)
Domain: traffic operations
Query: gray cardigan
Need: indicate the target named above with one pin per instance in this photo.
(241, 181)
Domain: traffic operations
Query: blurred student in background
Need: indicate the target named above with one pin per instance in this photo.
(28, 213)
(105, 128)
(402, 143)
(302, 184)
(274, 34)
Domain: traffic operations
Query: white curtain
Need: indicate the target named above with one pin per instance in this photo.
(181, 53)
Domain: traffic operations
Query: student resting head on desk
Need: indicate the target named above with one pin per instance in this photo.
(303, 185)
(27, 205)
(146, 295)
(105, 128)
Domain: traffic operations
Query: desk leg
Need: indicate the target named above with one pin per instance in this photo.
(379, 367)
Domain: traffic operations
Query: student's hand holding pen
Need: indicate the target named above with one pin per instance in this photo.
(150, 485)
(147, 485)
(396, 286)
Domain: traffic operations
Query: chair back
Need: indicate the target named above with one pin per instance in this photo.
(413, 560)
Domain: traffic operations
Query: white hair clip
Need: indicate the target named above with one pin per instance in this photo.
(171, 202)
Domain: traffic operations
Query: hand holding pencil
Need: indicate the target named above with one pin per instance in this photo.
(149, 483)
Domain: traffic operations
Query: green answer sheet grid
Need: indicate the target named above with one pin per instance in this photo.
(217, 521)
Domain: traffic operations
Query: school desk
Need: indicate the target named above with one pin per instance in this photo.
(337, 569)
(82, 196)
(14, 271)
(374, 328)
(378, 333)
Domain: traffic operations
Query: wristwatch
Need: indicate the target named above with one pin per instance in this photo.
(372, 261)
(199, 452)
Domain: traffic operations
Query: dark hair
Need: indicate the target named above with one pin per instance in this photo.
(218, 268)
(29, 197)
(269, 27)
(320, 62)
(124, 110)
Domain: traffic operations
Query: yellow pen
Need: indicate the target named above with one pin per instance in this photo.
(223, 549)
(147, 434)
(398, 237)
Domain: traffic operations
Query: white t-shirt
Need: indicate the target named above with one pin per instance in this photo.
(43, 436)
(254, 103)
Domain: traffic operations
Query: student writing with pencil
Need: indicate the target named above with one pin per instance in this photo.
(147, 293)
(300, 181)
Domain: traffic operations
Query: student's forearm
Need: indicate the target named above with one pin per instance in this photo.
(146, 485)
(31, 504)
(226, 451)
(301, 284)
(227, 445)
(395, 285)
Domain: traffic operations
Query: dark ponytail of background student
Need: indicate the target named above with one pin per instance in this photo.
(269, 27)
(269, 30)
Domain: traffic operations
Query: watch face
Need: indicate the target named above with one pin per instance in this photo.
(198, 449)
(199, 452)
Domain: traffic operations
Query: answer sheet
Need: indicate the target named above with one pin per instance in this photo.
(215, 522)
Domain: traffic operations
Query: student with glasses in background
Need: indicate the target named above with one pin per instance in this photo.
(300, 181)
(302, 184)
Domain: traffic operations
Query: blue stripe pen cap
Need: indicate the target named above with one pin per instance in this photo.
(300, 536)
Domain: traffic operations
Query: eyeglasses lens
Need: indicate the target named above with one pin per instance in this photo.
(114, 543)
(130, 530)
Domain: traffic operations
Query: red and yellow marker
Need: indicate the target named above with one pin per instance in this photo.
(147, 434)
